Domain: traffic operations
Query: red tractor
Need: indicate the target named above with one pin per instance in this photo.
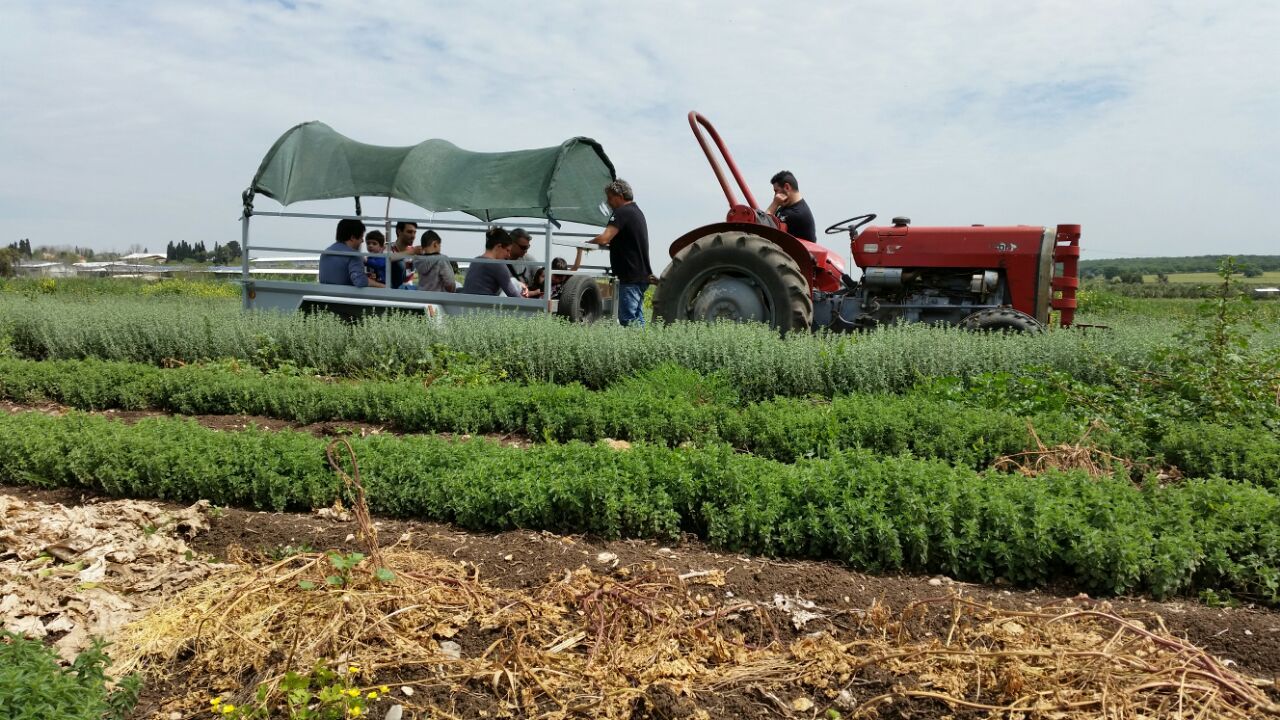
(749, 268)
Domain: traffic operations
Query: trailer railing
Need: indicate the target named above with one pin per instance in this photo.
(273, 291)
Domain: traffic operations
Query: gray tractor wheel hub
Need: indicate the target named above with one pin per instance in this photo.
(729, 298)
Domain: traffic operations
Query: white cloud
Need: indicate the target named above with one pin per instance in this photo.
(1153, 124)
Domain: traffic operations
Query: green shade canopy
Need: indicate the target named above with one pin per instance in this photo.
(562, 183)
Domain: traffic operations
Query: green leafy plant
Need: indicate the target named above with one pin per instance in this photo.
(33, 686)
(320, 694)
(1211, 366)
(343, 564)
(460, 369)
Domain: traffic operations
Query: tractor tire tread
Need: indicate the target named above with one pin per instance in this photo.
(1002, 318)
(580, 299)
(798, 302)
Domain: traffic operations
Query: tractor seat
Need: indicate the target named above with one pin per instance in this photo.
(764, 218)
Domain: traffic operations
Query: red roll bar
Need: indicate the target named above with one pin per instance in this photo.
(694, 121)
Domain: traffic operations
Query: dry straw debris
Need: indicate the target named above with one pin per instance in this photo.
(587, 644)
(595, 645)
(1079, 455)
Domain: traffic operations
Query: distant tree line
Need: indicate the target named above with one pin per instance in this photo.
(22, 250)
(14, 253)
(1165, 290)
(181, 251)
(1131, 270)
(22, 247)
(184, 251)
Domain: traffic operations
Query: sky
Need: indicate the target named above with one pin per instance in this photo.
(1151, 124)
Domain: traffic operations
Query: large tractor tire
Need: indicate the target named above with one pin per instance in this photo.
(734, 276)
(580, 299)
(1002, 320)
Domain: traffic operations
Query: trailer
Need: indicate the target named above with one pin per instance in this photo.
(546, 187)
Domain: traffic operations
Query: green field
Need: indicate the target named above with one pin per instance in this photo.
(909, 448)
(1209, 278)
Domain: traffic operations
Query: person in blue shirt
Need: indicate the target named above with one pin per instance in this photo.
(345, 269)
(376, 242)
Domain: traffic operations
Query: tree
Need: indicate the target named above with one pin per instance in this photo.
(9, 261)
(225, 254)
(1251, 271)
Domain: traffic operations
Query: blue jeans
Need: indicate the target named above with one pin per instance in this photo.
(631, 303)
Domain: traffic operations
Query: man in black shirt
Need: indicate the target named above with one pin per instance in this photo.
(789, 206)
(627, 237)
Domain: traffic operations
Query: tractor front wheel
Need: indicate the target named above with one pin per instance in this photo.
(1002, 319)
(734, 276)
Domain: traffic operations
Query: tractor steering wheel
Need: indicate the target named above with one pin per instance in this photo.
(851, 225)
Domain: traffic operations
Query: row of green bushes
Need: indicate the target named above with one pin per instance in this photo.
(899, 513)
(668, 406)
(190, 285)
(751, 357)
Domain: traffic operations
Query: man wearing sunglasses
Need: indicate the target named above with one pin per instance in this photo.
(520, 244)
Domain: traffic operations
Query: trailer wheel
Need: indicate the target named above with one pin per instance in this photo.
(1002, 319)
(580, 299)
(734, 276)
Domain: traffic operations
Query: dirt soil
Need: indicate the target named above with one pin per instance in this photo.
(328, 428)
(1247, 638)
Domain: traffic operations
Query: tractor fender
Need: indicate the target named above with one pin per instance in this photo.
(789, 245)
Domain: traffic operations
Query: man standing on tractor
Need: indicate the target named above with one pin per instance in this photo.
(627, 237)
(789, 207)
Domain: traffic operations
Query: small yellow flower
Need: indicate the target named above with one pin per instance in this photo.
(353, 692)
(228, 709)
(372, 695)
(216, 702)
(353, 669)
(355, 711)
(384, 689)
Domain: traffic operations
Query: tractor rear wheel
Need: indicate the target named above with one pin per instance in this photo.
(734, 276)
(1002, 319)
